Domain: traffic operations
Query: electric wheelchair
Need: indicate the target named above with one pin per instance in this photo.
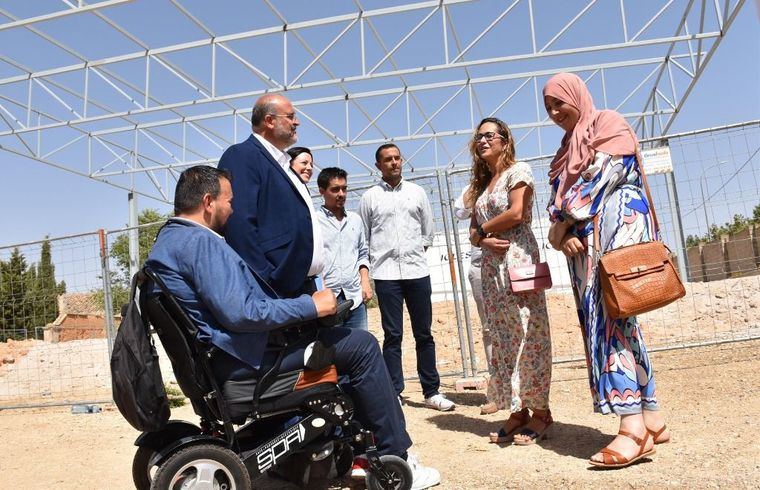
(286, 424)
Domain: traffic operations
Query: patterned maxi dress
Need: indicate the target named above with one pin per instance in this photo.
(620, 374)
(519, 323)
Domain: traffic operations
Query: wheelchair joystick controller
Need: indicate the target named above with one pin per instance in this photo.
(341, 312)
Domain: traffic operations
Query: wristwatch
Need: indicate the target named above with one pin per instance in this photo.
(480, 231)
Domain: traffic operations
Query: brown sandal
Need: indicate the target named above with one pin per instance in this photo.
(488, 408)
(657, 434)
(534, 435)
(503, 436)
(613, 459)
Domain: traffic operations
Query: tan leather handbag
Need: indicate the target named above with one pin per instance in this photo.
(638, 278)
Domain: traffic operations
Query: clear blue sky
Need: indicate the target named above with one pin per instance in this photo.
(45, 201)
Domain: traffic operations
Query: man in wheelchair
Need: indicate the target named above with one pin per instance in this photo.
(256, 335)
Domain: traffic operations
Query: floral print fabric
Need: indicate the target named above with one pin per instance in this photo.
(620, 373)
(519, 324)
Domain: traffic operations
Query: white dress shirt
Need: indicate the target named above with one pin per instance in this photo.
(345, 251)
(317, 256)
(398, 224)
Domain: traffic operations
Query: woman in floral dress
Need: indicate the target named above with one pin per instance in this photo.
(502, 191)
(596, 173)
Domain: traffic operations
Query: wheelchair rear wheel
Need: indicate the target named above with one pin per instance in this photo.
(142, 474)
(200, 467)
(399, 475)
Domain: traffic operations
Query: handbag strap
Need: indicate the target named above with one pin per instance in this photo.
(639, 160)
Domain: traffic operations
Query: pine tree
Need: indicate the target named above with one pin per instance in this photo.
(14, 309)
(47, 290)
(32, 301)
(28, 294)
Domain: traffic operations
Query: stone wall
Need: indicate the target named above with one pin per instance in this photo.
(734, 255)
(77, 327)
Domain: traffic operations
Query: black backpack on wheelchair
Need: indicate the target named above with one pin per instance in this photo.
(136, 383)
(281, 423)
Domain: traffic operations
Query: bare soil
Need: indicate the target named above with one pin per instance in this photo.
(711, 398)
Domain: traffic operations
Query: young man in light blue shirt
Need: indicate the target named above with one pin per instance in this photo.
(346, 252)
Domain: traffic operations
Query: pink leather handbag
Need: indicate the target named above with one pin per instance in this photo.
(530, 278)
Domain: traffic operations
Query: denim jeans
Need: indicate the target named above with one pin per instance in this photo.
(391, 296)
(357, 318)
(363, 376)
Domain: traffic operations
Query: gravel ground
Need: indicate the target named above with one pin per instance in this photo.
(710, 396)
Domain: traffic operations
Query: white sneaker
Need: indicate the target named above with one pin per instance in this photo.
(440, 402)
(359, 467)
(422, 476)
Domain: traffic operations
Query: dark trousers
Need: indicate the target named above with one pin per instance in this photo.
(363, 375)
(391, 296)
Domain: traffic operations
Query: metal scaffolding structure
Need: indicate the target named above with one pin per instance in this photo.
(360, 74)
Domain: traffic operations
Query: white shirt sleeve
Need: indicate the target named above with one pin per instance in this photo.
(365, 213)
(461, 211)
(428, 227)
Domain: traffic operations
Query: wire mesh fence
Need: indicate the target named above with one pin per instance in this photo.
(719, 256)
(60, 298)
(55, 342)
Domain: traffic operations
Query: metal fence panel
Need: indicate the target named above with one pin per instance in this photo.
(54, 346)
(718, 311)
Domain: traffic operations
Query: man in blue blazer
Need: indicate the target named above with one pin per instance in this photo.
(274, 227)
(235, 311)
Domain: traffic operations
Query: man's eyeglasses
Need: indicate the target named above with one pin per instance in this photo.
(489, 136)
(290, 117)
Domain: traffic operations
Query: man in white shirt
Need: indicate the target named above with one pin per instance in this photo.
(346, 254)
(398, 223)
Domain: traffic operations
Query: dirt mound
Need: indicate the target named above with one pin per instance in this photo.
(13, 350)
(76, 370)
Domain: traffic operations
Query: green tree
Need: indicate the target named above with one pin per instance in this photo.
(692, 241)
(739, 223)
(146, 235)
(28, 294)
(119, 252)
(43, 292)
(14, 283)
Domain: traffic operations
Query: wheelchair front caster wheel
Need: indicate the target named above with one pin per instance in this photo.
(397, 475)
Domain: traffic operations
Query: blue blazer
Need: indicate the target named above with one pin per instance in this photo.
(270, 227)
(214, 286)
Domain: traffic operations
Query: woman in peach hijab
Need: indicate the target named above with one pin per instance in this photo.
(596, 173)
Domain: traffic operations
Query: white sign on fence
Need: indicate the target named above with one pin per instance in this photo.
(657, 160)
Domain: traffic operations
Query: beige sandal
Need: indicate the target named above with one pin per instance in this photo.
(488, 408)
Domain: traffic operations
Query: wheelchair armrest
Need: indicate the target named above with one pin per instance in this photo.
(342, 311)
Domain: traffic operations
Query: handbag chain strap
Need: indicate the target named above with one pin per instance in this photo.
(640, 161)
